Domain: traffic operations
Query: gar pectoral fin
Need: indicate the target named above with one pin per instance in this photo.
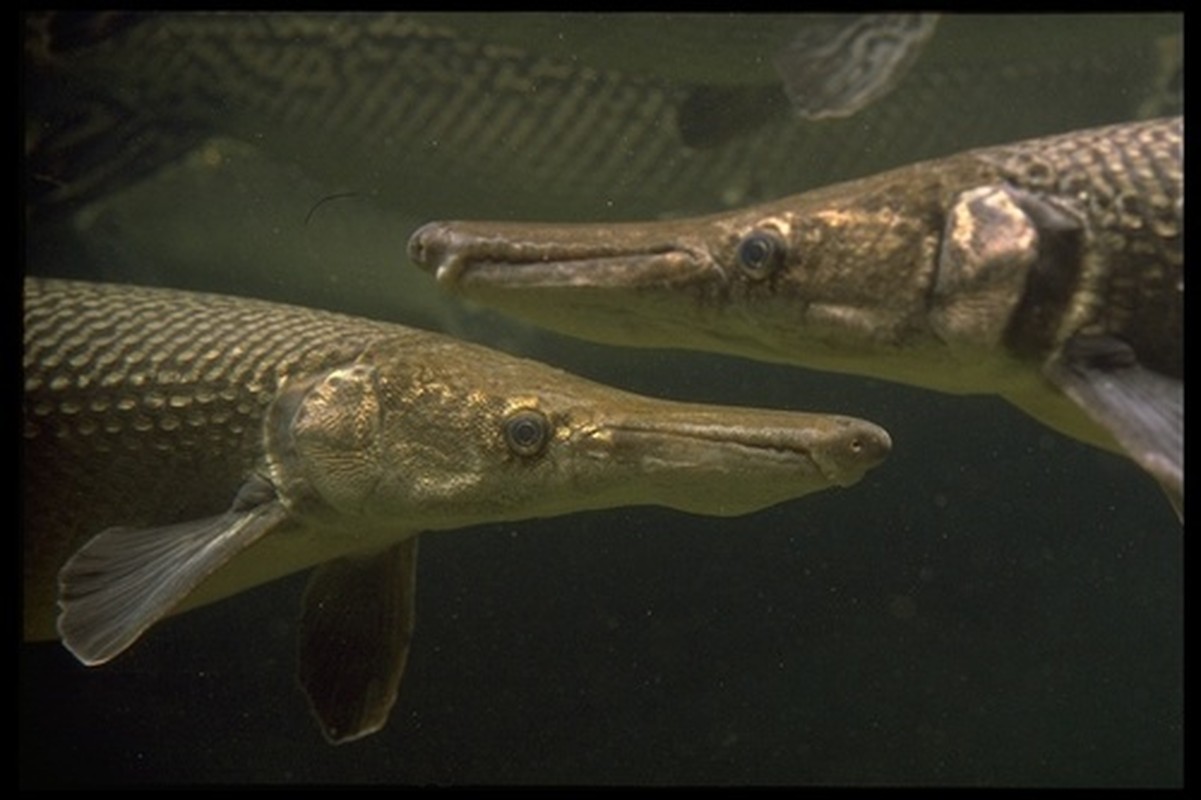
(125, 579)
(1143, 409)
(355, 631)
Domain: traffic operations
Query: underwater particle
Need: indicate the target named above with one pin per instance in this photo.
(902, 606)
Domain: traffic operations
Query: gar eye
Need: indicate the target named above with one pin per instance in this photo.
(527, 432)
(760, 253)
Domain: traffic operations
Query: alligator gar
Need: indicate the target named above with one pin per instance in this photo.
(181, 447)
(378, 103)
(1049, 272)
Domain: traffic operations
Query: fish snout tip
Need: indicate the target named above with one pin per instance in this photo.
(431, 249)
(861, 446)
(871, 444)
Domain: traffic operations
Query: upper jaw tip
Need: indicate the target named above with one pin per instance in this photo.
(428, 251)
(418, 248)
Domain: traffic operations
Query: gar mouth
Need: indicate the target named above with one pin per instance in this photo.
(839, 459)
(606, 273)
(457, 257)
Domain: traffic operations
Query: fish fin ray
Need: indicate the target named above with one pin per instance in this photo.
(1142, 409)
(356, 625)
(834, 69)
(125, 579)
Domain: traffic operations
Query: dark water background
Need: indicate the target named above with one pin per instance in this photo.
(995, 605)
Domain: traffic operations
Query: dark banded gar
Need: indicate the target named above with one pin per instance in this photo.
(181, 447)
(1050, 272)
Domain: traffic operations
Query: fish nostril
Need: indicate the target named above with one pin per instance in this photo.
(868, 446)
(427, 246)
(419, 246)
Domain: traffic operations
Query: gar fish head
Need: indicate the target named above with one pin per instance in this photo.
(440, 434)
(837, 279)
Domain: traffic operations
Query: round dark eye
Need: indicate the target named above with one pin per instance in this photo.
(760, 253)
(527, 432)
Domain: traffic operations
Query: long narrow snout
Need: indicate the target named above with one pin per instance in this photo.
(487, 256)
(727, 461)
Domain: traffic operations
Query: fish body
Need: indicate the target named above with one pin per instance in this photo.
(181, 447)
(1048, 271)
(379, 103)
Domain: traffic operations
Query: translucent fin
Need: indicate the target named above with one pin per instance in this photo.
(126, 579)
(354, 639)
(836, 68)
(1143, 409)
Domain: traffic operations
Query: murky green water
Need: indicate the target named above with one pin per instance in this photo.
(995, 605)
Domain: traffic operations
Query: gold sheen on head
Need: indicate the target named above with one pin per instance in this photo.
(1047, 271)
(443, 443)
